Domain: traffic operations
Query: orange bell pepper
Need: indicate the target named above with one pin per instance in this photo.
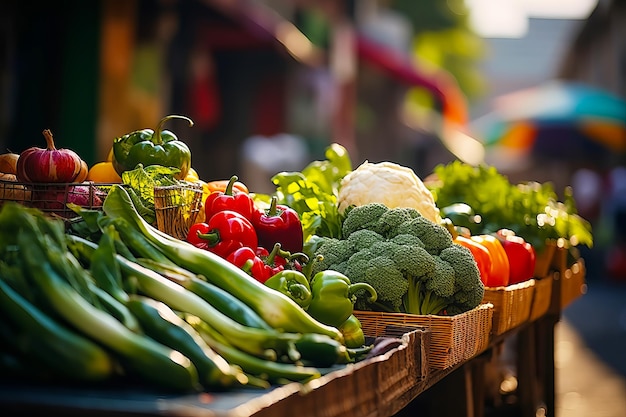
(220, 185)
(500, 268)
(481, 255)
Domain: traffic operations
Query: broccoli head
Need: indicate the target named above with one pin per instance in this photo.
(363, 217)
(411, 262)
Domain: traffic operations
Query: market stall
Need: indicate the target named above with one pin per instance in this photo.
(162, 294)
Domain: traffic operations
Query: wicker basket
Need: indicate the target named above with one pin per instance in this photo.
(572, 282)
(543, 260)
(52, 198)
(453, 339)
(176, 208)
(542, 296)
(511, 305)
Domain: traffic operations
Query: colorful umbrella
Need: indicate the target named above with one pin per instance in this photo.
(556, 119)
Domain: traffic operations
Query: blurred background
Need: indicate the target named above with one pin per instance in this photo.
(536, 88)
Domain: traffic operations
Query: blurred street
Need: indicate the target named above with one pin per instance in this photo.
(589, 353)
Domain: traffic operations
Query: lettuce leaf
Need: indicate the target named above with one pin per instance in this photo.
(313, 192)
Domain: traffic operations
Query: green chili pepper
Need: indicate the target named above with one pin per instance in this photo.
(152, 147)
(334, 297)
(293, 284)
(352, 332)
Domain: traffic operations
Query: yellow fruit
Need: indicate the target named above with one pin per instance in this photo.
(103, 172)
(110, 155)
(192, 175)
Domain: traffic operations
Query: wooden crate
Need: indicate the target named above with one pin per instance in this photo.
(453, 339)
(511, 305)
(364, 388)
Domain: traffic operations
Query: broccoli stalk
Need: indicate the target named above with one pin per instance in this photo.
(420, 300)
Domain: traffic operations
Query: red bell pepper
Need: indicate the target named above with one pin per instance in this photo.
(246, 259)
(224, 233)
(229, 199)
(521, 254)
(278, 224)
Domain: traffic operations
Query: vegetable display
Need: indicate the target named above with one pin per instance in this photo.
(263, 289)
(531, 210)
(128, 313)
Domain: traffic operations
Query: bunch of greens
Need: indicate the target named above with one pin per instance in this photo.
(531, 209)
(313, 192)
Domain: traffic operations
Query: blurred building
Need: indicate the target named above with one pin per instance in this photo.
(321, 71)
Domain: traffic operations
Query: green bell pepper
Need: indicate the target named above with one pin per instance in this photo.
(293, 284)
(352, 331)
(152, 147)
(463, 215)
(334, 297)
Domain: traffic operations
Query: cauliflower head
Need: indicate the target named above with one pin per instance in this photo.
(390, 184)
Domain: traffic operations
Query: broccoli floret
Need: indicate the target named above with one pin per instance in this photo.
(382, 274)
(413, 260)
(363, 217)
(363, 239)
(333, 251)
(407, 239)
(469, 289)
(394, 217)
(442, 281)
(384, 248)
(435, 237)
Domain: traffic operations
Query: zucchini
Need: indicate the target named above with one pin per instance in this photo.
(55, 346)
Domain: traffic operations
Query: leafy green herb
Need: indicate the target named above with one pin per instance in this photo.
(531, 209)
